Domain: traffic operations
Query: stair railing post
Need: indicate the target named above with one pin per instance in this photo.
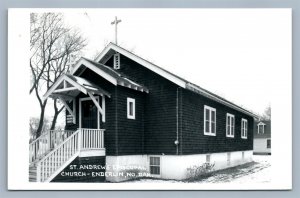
(38, 172)
(49, 140)
(35, 150)
(79, 139)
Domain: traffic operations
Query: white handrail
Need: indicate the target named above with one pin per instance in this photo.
(39, 147)
(57, 157)
(47, 141)
(58, 136)
(55, 161)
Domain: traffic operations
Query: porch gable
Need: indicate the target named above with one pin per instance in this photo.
(67, 87)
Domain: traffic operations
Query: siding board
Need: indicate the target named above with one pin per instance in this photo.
(130, 131)
(110, 134)
(194, 141)
(159, 107)
(155, 128)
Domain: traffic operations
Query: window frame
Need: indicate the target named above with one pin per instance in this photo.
(263, 128)
(155, 165)
(131, 100)
(211, 109)
(231, 127)
(244, 130)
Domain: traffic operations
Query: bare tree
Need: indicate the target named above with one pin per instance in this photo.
(267, 113)
(53, 46)
(33, 125)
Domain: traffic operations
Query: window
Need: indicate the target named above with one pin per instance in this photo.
(230, 125)
(117, 61)
(261, 128)
(209, 121)
(269, 143)
(244, 128)
(130, 108)
(155, 165)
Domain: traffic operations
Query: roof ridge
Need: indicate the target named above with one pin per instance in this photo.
(222, 98)
(185, 82)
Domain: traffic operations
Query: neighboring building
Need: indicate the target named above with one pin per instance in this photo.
(262, 137)
(126, 111)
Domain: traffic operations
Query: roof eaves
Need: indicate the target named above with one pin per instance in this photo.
(121, 80)
(164, 73)
(172, 77)
(217, 98)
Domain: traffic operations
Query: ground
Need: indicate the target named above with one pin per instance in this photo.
(257, 171)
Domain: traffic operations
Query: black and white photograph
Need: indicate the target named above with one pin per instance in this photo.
(150, 99)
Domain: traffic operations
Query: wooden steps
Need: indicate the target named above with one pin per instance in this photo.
(32, 173)
(49, 163)
(33, 166)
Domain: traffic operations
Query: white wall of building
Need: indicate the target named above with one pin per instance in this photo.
(260, 146)
(173, 166)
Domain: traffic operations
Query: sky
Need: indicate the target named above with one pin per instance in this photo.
(235, 53)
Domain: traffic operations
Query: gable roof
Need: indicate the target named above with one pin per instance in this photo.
(78, 84)
(109, 74)
(261, 123)
(112, 48)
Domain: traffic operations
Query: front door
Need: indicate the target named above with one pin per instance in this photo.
(89, 115)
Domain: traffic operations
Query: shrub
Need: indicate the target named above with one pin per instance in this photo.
(200, 171)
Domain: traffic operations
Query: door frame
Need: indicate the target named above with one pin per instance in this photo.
(80, 112)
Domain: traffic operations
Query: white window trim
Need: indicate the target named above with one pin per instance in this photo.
(261, 124)
(231, 133)
(155, 175)
(244, 131)
(131, 100)
(210, 110)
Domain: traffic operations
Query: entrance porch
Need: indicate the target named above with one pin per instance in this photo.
(85, 104)
(54, 150)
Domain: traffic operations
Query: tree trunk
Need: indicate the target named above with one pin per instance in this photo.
(56, 113)
(54, 121)
(41, 122)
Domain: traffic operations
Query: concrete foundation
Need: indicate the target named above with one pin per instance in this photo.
(121, 168)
